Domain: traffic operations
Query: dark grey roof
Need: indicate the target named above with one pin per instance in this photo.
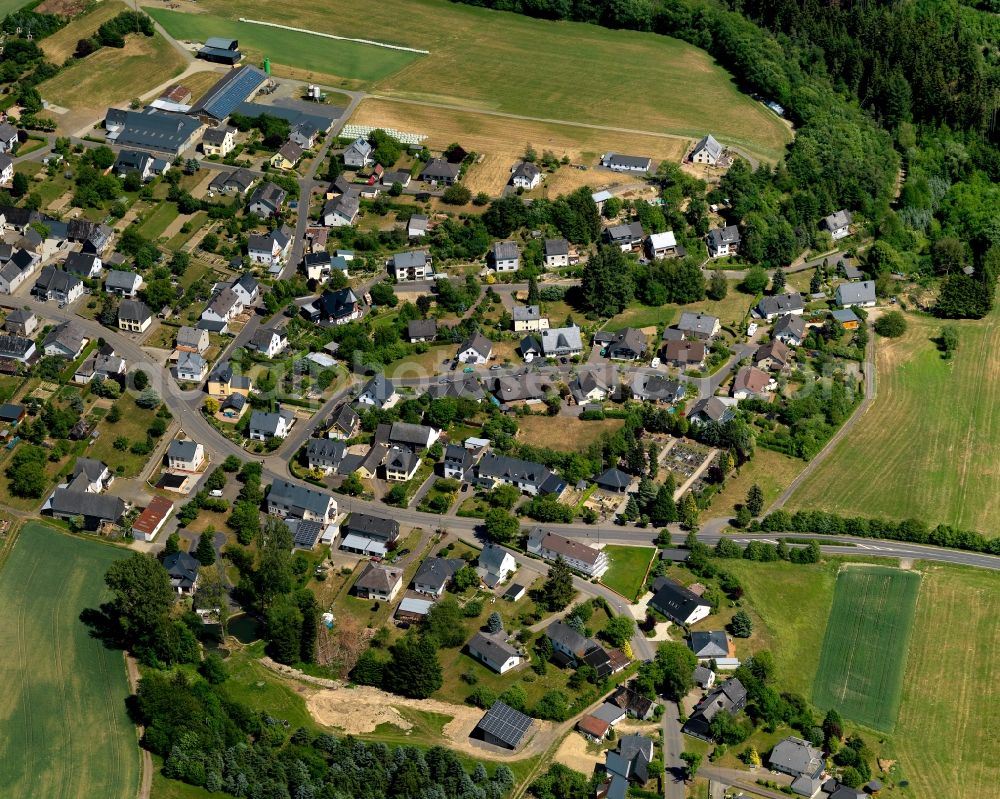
(673, 600)
(615, 479)
(413, 434)
(438, 168)
(556, 247)
(372, 526)
(217, 135)
(14, 346)
(346, 418)
(657, 388)
(91, 468)
(421, 328)
(492, 648)
(797, 756)
(710, 144)
(466, 386)
(238, 178)
(505, 724)
(118, 279)
(381, 579)
(568, 638)
(233, 88)
(185, 450)
(269, 195)
(856, 293)
(379, 387)
(52, 279)
(509, 469)
(506, 250)
(781, 303)
(526, 169)
(83, 503)
(299, 497)
(183, 568)
(709, 644)
(700, 323)
(492, 557)
(401, 459)
(325, 448)
(336, 304)
(409, 259)
(158, 132)
(627, 341)
(134, 311)
(629, 161)
(305, 534)
(437, 571)
(790, 325)
(478, 343)
(713, 409)
(80, 263)
(267, 423)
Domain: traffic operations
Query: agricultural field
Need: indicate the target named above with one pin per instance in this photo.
(772, 471)
(864, 651)
(501, 143)
(66, 730)
(112, 76)
(301, 51)
(470, 66)
(944, 726)
(627, 572)
(62, 44)
(926, 448)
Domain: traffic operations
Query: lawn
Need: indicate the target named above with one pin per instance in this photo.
(66, 732)
(422, 364)
(944, 725)
(111, 76)
(302, 51)
(634, 80)
(864, 650)
(133, 425)
(564, 432)
(158, 221)
(627, 572)
(926, 448)
(638, 315)
(771, 470)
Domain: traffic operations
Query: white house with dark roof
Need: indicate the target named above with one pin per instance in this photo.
(838, 224)
(293, 501)
(578, 556)
(677, 603)
(325, 454)
(271, 248)
(102, 364)
(707, 151)
(8, 138)
(268, 341)
(556, 253)
(530, 478)
(475, 350)
(771, 308)
(440, 172)
(379, 392)
(699, 326)
(66, 340)
(54, 284)
(525, 175)
(267, 425)
(860, 293)
(379, 582)
(493, 650)
(358, 154)
(505, 256)
(495, 565)
(412, 436)
(401, 464)
(266, 199)
(410, 265)
(124, 284)
(723, 241)
(434, 575)
(191, 367)
(636, 164)
(342, 211)
(184, 455)
(224, 306)
(529, 318)
(790, 329)
(84, 264)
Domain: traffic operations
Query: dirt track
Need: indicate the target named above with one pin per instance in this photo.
(362, 709)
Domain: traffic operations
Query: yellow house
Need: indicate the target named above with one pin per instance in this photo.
(223, 381)
(287, 157)
(219, 141)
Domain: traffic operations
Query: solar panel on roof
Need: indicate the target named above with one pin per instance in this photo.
(232, 90)
(306, 534)
(505, 723)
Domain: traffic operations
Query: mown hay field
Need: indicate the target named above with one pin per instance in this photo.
(864, 651)
(66, 732)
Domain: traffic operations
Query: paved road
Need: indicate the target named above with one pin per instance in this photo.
(742, 779)
(673, 745)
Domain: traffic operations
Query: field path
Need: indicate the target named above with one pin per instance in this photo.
(146, 777)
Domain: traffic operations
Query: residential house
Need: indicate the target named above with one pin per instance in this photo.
(493, 650)
(703, 677)
(19, 267)
(711, 645)
(17, 348)
(838, 224)
(134, 316)
(529, 317)
(712, 409)
(325, 454)
(95, 509)
(523, 388)
(124, 284)
(440, 172)
(191, 367)
(8, 138)
(771, 308)
(379, 582)
(268, 341)
(593, 728)
(342, 211)
(475, 350)
(684, 354)
(706, 151)
(344, 423)
(505, 256)
(414, 437)
(625, 237)
(730, 697)
(182, 570)
(556, 253)
(631, 760)
(581, 557)
(54, 284)
(494, 565)
(662, 245)
(246, 288)
(184, 455)
(191, 339)
(723, 241)
(626, 163)
(529, 348)
(223, 307)
(66, 340)
(292, 501)
(139, 163)
(633, 703)
(379, 392)
(751, 382)
(627, 345)
(266, 200)
(529, 478)
(503, 726)
(369, 535)
(84, 265)
(21, 322)
(92, 236)
(400, 176)
(223, 381)
(677, 603)
(559, 342)
(614, 481)
(567, 642)
(410, 265)
(238, 181)
(270, 249)
(848, 267)
(847, 318)
(358, 154)
(458, 462)
(90, 475)
(800, 760)
(418, 330)
(525, 175)
(334, 307)
(103, 363)
(435, 574)
(861, 293)
(220, 141)
(6, 170)
(699, 326)
(401, 464)
(417, 226)
(318, 265)
(594, 385)
(790, 329)
(267, 425)
(152, 519)
(774, 356)
(288, 155)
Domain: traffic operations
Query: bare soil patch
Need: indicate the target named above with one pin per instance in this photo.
(578, 753)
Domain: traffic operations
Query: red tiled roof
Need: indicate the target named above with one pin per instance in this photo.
(157, 510)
